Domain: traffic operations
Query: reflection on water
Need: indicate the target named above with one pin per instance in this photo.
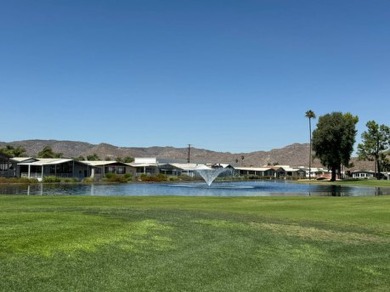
(257, 188)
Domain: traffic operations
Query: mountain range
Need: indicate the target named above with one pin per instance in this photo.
(293, 155)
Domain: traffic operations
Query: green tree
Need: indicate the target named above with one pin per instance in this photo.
(128, 159)
(93, 157)
(12, 151)
(19, 151)
(333, 140)
(375, 143)
(47, 152)
(385, 161)
(310, 115)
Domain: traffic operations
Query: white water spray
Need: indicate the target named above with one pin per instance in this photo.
(210, 174)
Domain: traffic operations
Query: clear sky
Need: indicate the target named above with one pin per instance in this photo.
(234, 76)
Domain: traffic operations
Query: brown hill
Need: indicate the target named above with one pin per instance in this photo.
(294, 155)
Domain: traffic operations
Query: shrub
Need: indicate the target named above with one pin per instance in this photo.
(110, 175)
(185, 177)
(114, 178)
(88, 180)
(128, 176)
(17, 180)
(154, 178)
(51, 179)
(70, 180)
(161, 177)
(173, 178)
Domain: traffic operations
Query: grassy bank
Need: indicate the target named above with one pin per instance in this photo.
(350, 182)
(194, 244)
(365, 182)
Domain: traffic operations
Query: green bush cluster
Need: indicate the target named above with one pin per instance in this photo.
(56, 179)
(17, 180)
(184, 177)
(154, 178)
(70, 180)
(51, 179)
(114, 178)
(88, 180)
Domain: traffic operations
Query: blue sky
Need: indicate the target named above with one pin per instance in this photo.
(234, 76)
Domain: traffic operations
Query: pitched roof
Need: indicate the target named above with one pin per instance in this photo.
(189, 166)
(22, 159)
(253, 168)
(101, 162)
(47, 161)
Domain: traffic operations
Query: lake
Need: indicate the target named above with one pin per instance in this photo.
(218, 189)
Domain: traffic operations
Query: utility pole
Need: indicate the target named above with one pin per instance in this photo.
(189, 154)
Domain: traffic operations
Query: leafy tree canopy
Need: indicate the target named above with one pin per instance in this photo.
(12, 151)
(375, 144)
(128, 159)
(93, 157)
(80, 158)
(334, 138)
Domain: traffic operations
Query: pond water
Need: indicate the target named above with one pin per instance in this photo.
(219, 189)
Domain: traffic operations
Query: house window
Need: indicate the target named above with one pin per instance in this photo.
(121, 170)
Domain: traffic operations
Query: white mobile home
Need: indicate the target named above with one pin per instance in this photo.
(363, 174)
(99, 169)
(60, 167)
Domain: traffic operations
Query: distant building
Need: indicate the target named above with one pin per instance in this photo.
(255, 171)
(316, 173)
(6, 166)
(147, 166)
(99, 169)
(63, 167)
(60, 167)
(363, 174)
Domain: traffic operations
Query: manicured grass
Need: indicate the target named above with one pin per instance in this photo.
(366, 182)
(360, 182)
(194, 244)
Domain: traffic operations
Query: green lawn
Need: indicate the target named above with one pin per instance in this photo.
(366, 182)
(194, 244)
(351, 182)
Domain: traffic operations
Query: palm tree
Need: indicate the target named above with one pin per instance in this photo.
(47, 152)
(310, 115)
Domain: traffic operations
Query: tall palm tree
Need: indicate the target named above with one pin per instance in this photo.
(310, 115)
(47, 152)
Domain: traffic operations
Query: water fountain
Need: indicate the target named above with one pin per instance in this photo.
(210, 174)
